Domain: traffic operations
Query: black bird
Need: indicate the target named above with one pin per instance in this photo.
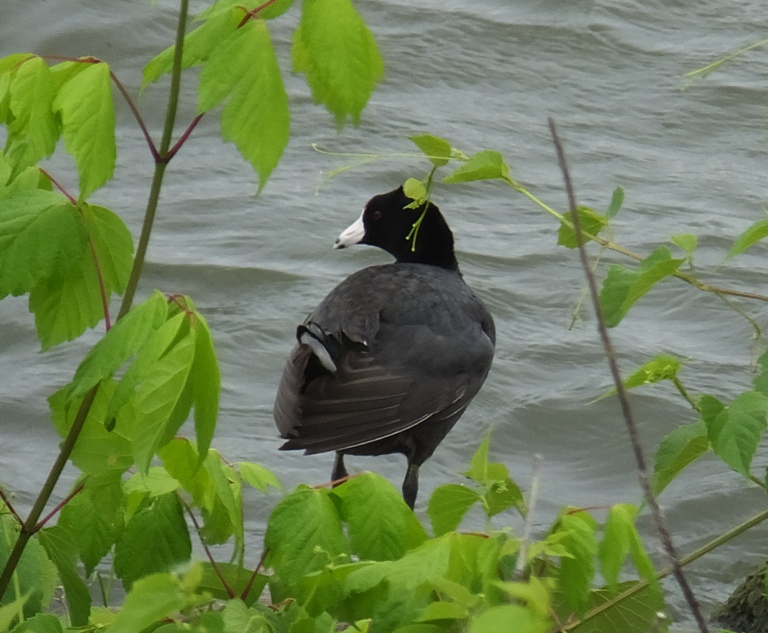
(392, 357)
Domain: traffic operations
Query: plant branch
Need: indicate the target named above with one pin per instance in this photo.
(160, 164)
(29, 526)
(177, 145)
(634, 437)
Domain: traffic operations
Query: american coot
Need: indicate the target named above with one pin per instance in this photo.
(392, 357)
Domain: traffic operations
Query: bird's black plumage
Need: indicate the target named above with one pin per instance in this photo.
(392, 357)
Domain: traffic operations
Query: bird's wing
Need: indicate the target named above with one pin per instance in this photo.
(361, 402)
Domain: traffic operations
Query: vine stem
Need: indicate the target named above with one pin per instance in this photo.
(642, 470)
(28, 527)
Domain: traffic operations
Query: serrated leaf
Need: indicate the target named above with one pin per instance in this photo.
(33, 129)
(258, 476)
(88, 124)
(204, 383)
(41, 233)
(617, 199)
(578, 569)
(735, 430)
(436, 149)
(113, 244)
(244, 70)
(614, 547)
(679, 448)
(484, 165)
(94, 517)
(380, 524)
(502, 495)
(303, 533)
(62, 550)
(182, 461)
(338, 55)
(156, 482)
(35, 577)
(592, 223)
(634, 614)
(155, 539)
(225, 517)
(150, 600)
(71, 301)
(238, 617)
(448, 505)
(198, 44)
(623, 287)
(749, 237)
(97, 449)
(686, 241)
(119, 344)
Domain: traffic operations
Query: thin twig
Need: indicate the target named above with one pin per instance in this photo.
(77, 490)
(136, 115)
(254, 575)
(10, 507)
(642, 472)
(208, 553)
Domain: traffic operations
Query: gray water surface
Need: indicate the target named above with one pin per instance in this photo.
(485, 75)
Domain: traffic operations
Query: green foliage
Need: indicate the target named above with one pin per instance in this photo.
(681, 447)
(749, 237)
(624, 286)
(592, 223)
(485, 165)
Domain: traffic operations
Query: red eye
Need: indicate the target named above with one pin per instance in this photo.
(376, 215)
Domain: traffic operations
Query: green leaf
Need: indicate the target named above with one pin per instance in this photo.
(156, 482)
(485, 165)
(335, 50)
(182, 461)
(113, 244)
(578, 569)
(238, 617)
(40, 623)
(97, 450)
(152, 599)
(225, 516)
(198, 45)
(481, 470)
(681, 447)
(304, 533)
(204, 383)
(500, 619)
(617, 199)
(33, 129)
(448, 505)
(623, 287)
(416, 191)
(154, 400)
(35, 578)
(381, 525)
(244, 70)
(436, 149)
(592, 223)
(41, 233)
(660, 367)
(155, 539)
(62, 550)
(88, 121)
(258, 476)
(735, 431)
(237, 578)
(502, 495)
(444, 611)
(752, 235)
(614, 548)
(638, 613)
(71, 300)
(686, 241)
(119, 344)
(95, 518)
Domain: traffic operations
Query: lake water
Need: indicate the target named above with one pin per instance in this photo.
(485, 75)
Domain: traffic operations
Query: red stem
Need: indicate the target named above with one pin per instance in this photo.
(255, 573)
(137, 115)
(8, 505)
(224, 583)
(41, 524)
(254, 13)
(172, 152)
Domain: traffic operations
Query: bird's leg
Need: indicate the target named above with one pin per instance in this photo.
(339, 471)
(411, 485)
